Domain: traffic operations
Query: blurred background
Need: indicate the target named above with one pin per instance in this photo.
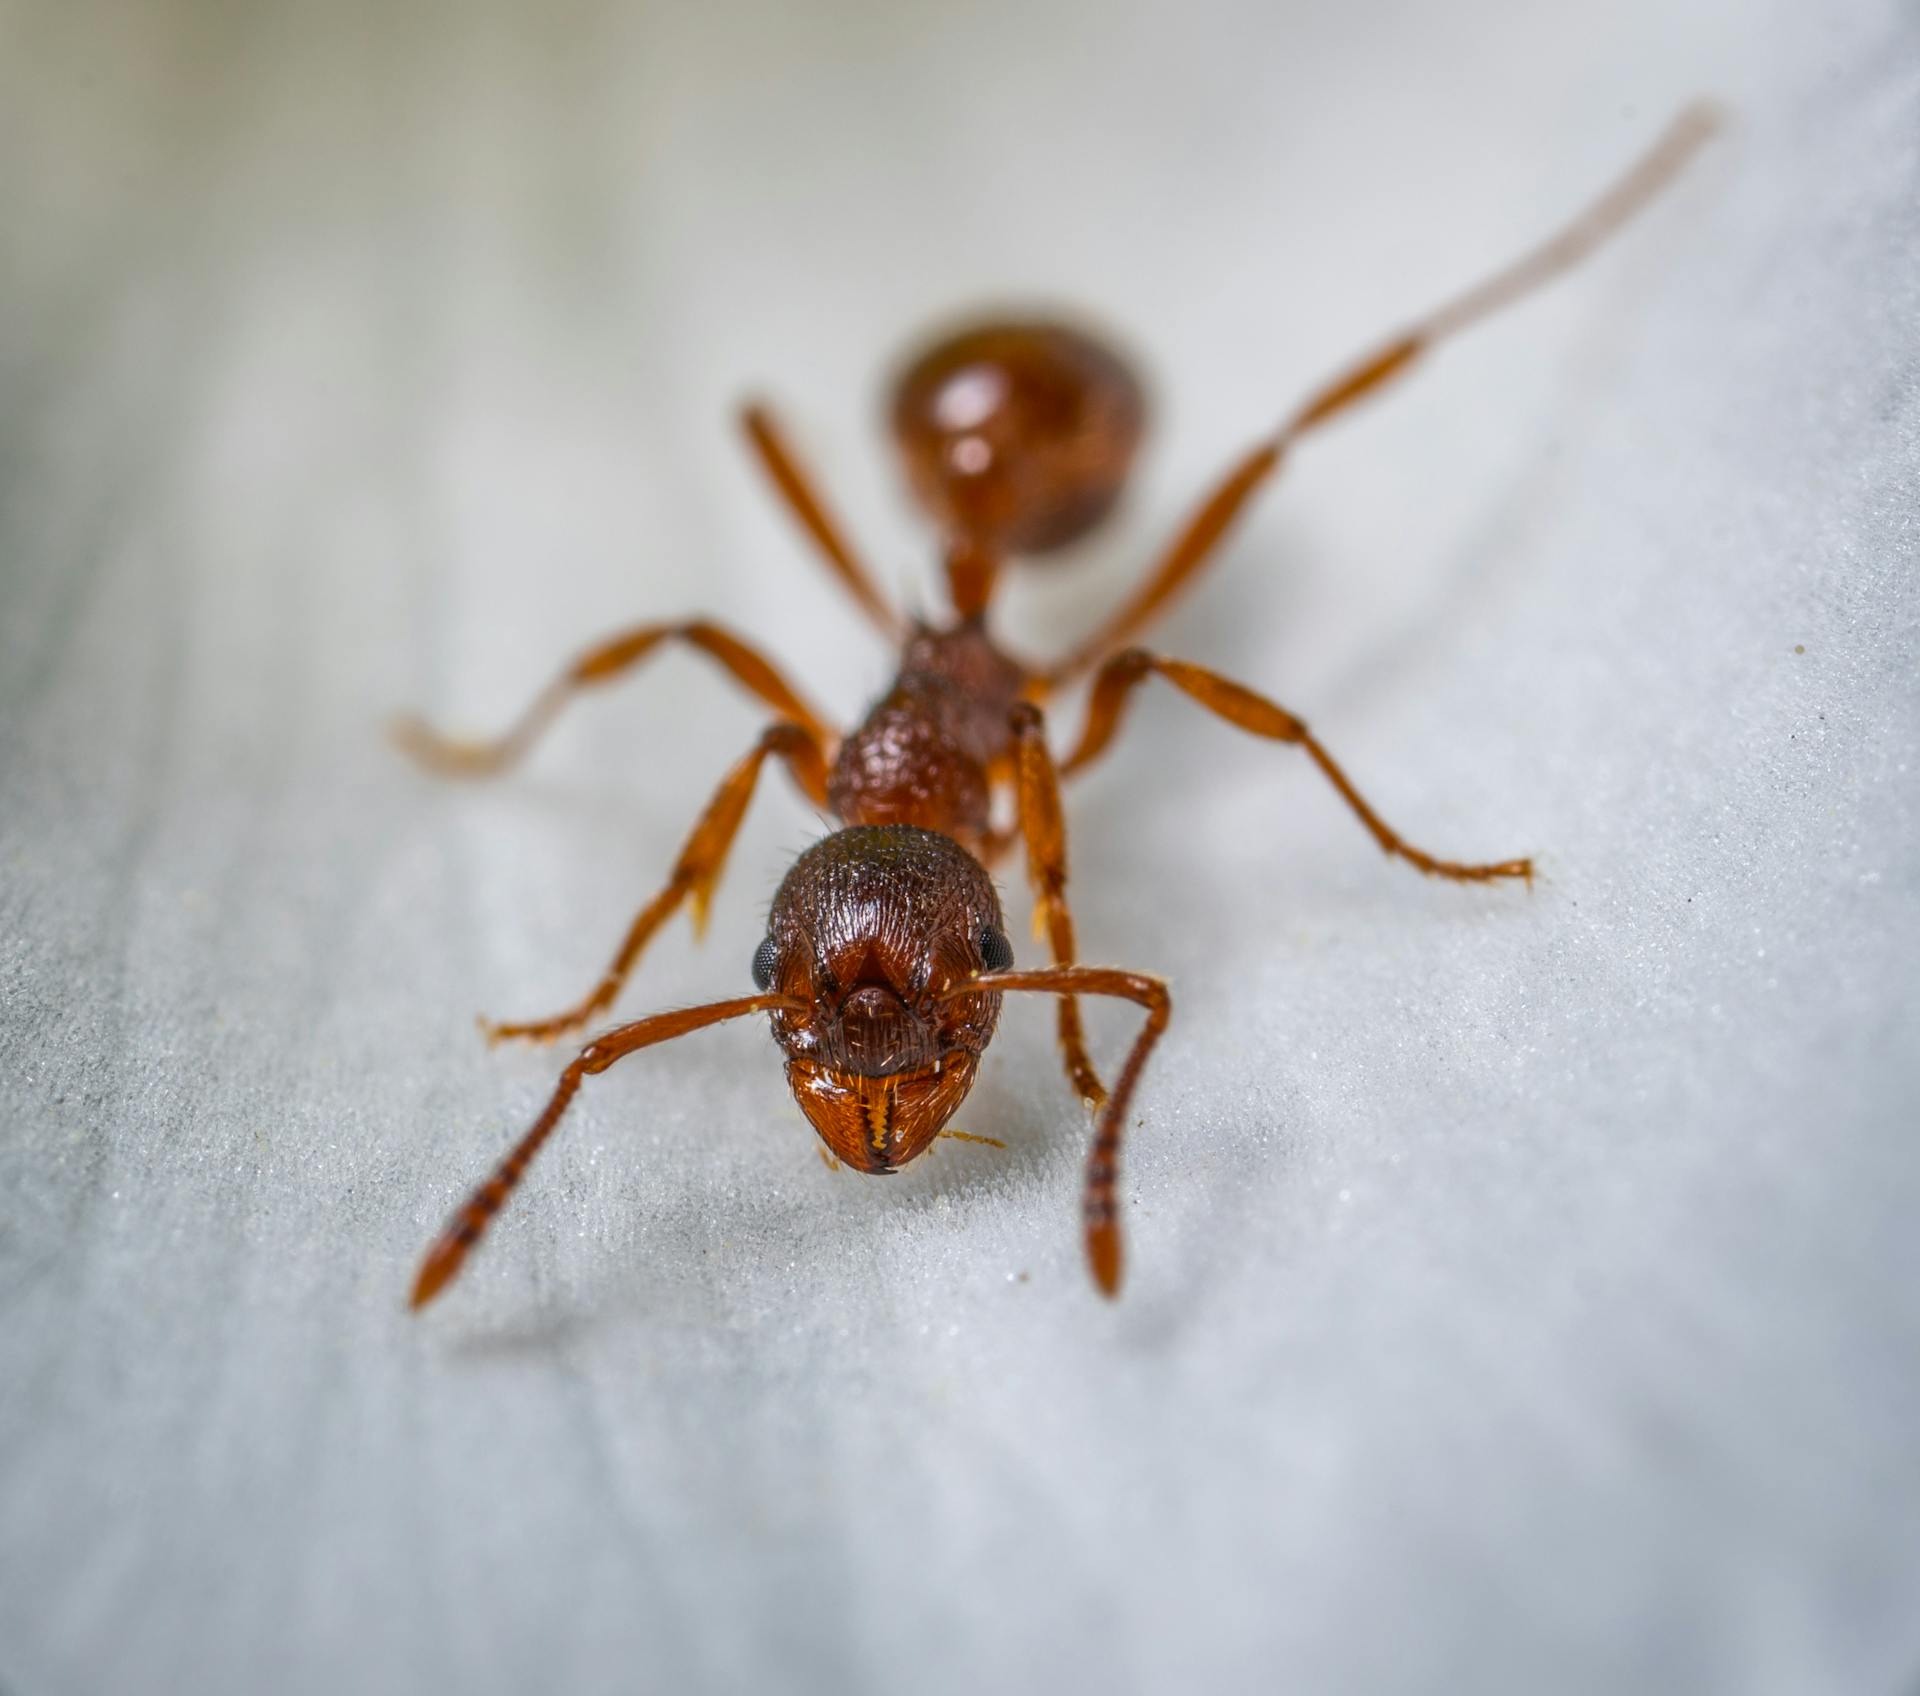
(1524, 1290)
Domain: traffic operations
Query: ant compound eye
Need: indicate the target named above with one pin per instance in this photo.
(765, 958)
(995, 950)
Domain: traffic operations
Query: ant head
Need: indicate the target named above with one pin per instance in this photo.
(874, 929)
(1018, 436)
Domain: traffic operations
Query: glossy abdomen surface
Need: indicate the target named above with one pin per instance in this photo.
(1018, 434)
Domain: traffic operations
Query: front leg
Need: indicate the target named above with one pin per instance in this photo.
(1100, 1197)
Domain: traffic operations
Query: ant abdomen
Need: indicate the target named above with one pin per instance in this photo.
(1018, 435)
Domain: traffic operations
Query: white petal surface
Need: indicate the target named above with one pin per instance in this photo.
(1525, 1290)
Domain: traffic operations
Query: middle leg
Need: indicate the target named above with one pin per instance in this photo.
(1043, 825)
(694, 874)
(1245, 710)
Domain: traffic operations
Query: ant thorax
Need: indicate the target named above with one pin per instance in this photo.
(924, 753)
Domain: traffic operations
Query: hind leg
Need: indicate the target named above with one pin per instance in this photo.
(601, 664)
(803, 500)
(1198, 542)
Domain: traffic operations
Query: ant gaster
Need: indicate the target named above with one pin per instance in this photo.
(886, 955)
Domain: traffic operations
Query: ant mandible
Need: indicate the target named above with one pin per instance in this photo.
(886, 954)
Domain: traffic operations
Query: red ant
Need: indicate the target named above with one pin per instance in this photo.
(886, 954)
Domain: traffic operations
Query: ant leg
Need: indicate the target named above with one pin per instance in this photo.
(465, 1228)
(695, 874)
(600, 665)
(1245, 710)
(968, 1136)
(1043, 825)
(1195, 544)
(796, 488)
(1099, 1208)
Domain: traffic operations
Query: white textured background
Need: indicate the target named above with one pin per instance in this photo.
(1526, 1291)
